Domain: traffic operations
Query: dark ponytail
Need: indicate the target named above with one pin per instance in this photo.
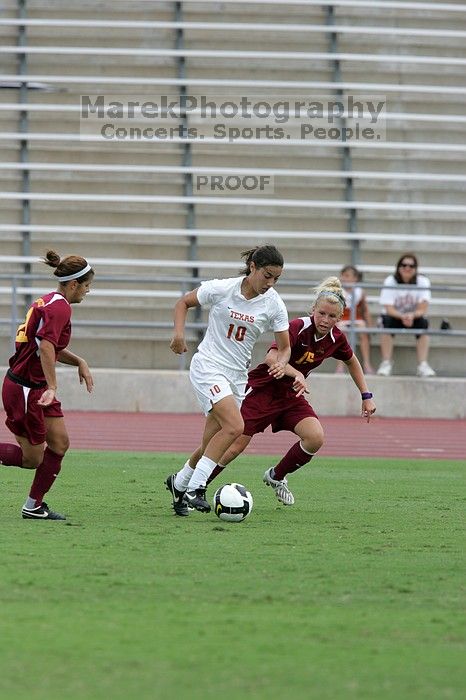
(70, 265)
(261, 256)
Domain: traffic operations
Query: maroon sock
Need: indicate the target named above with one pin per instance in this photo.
(46, 473)
(217, 470)
(11, 455)
(295, 458)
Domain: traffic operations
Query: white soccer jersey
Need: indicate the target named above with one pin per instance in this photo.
(235, 323)
(405, 298)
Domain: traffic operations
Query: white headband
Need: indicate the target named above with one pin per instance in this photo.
(75, 275)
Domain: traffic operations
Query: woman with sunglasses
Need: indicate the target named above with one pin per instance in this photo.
(405, 297)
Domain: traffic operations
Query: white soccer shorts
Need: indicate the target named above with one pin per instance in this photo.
(212, 383)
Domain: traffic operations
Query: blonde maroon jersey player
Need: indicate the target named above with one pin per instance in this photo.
(307, 353)
(269, 402)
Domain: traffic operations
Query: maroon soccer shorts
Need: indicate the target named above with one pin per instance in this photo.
(25, 417)
(270, 405)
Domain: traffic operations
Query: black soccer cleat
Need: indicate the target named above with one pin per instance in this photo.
(179, 503)
(42, 512)
(196, 499)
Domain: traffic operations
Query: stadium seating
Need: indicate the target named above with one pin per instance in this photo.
(63, 186)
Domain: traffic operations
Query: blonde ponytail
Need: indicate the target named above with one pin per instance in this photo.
(331, 290)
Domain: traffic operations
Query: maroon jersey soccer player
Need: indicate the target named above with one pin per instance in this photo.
(281, 403)
(34, 414)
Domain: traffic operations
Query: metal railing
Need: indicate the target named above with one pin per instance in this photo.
(17, 290)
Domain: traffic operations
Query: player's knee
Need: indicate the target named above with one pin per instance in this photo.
(314, 441)
(312, 446)
(318, 444)
(59, 445)
(235, 429)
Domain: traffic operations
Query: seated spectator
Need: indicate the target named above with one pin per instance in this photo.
(354, 295)
(405, 307)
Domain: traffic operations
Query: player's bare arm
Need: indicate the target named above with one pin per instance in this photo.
(368, 405)
(84, 373)
(299, 384)
(47, 359)
(188, 301)
(283, 352)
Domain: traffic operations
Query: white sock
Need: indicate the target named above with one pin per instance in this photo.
(183, 476)
(30, 503)
(203, 470)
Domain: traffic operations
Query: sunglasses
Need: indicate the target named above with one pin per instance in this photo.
(408, 265)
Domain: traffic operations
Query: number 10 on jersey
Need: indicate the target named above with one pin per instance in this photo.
(236, 332)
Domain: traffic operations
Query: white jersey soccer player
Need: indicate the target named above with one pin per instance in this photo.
(241, 309)
(219, 368)
(235, 323)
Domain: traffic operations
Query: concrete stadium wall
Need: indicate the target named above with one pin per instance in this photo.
(168, 391)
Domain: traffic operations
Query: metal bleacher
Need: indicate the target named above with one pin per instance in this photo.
(131, 205)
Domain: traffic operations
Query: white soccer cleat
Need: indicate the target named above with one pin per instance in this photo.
(385, 368)
(425, 370)
(281, 489)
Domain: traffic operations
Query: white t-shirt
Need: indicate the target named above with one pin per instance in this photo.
(405, 298)
(235, 323)
(353, 297)
(355, 292)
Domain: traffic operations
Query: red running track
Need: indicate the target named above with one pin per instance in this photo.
(344, 436)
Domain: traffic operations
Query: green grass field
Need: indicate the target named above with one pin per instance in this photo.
(353, 592)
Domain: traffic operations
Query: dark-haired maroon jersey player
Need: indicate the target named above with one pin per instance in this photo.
(281, 403)
(33, 412)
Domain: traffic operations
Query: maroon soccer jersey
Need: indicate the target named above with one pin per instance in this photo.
(49, 318)
(307, 352)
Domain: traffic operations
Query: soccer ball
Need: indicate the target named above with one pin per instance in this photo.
(232, 502)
